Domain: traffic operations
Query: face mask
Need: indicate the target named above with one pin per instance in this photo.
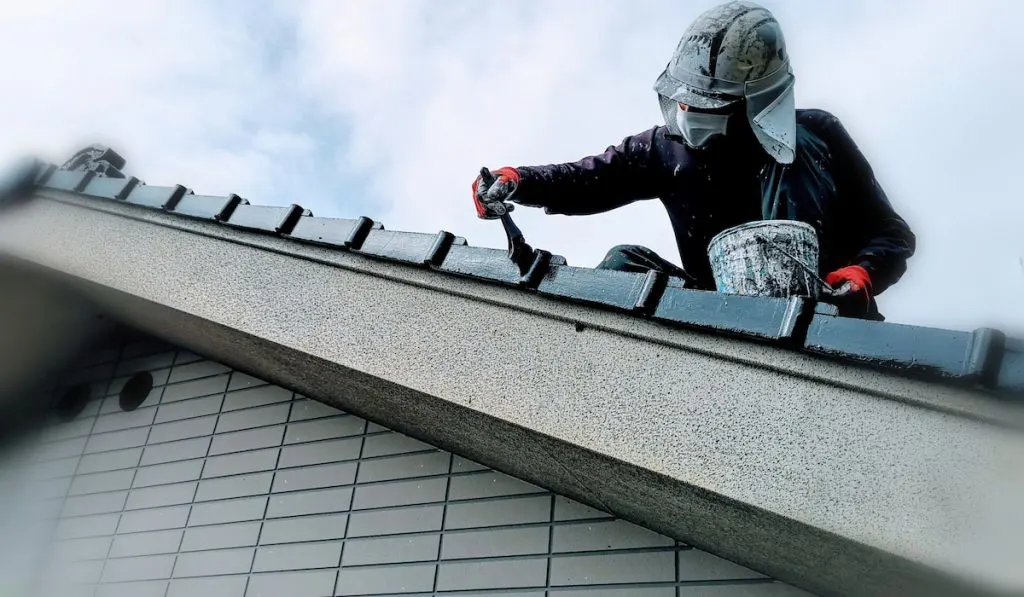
(698, 127)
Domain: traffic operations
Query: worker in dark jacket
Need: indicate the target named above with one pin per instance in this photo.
(733, 150)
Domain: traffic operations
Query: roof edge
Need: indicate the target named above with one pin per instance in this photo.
(985, 359)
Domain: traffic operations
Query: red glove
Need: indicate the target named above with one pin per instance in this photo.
(490, 196)
(852, 280)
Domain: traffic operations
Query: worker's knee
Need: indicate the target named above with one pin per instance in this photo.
(626, 249)
(624, 257)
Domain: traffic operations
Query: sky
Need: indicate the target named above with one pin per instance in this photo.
(388, 109)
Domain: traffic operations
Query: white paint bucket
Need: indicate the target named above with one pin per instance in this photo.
(766, 258)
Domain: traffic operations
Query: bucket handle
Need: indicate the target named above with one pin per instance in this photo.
(806, 267)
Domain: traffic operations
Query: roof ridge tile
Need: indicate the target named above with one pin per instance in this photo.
(208, 207)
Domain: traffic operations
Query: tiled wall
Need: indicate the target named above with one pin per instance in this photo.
(220, 484)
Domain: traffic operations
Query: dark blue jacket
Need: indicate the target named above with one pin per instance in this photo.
(830, 185)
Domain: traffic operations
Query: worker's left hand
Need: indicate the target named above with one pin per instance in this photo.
(851, 288)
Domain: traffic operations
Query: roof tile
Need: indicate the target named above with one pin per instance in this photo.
(334, 232)
(68, 180)
(208, 207)
(1010, 377)
(265, 218)
(415, 248)
(156, 197)
(493, 265)
(984, 357)
(607, 288)
(751, 317)
(111, 188)
(968, 356)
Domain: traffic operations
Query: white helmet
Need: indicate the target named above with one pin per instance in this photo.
(731, 52)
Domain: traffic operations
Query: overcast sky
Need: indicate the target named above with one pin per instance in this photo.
(388, 108)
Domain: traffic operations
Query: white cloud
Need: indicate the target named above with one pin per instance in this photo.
(390, 108)
(923, 87)
(183, 91)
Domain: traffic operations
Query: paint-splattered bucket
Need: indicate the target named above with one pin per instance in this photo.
(766, 258)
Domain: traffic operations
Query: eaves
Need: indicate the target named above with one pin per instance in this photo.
(768, 431)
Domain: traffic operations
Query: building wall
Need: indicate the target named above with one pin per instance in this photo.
(221, 484)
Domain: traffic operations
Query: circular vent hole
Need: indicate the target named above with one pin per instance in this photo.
(72, 402)
(135, 391)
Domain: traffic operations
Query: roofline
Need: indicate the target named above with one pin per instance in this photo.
(699, 436)
(947, 378)
(984, 360)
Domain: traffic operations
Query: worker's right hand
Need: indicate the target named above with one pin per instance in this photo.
(490, 192)
(851, 290)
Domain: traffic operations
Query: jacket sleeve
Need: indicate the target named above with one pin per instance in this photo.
(621, 175)
(885, 241)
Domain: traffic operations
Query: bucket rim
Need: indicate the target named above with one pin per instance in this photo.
(761, 224)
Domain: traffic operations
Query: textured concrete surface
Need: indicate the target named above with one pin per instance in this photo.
(841, 481)
(865, 380)
(221, 484)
